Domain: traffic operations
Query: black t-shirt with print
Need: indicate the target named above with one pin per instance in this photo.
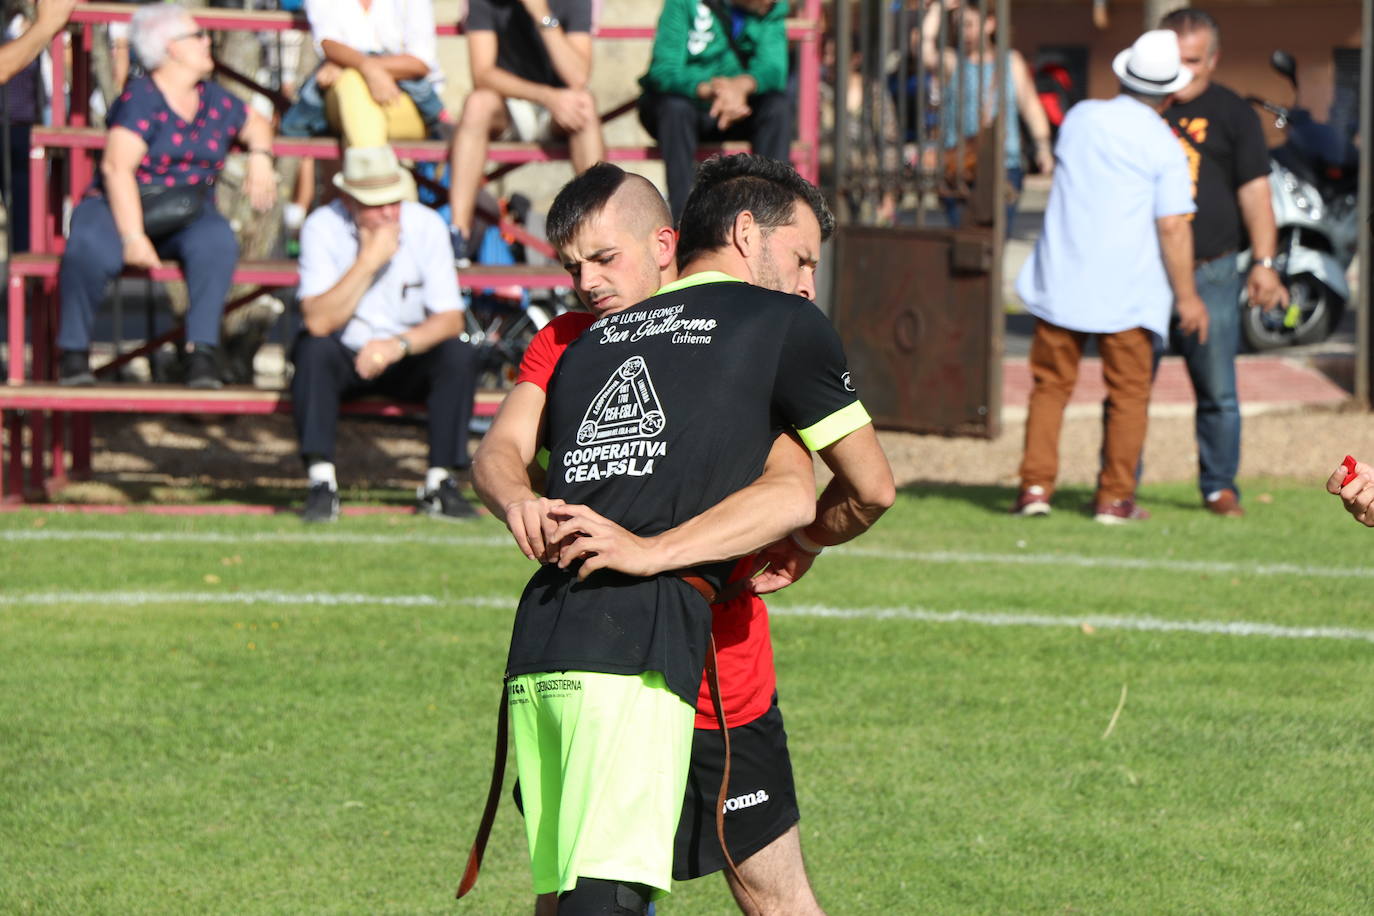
(519, 48)
(654, 415)
(1227, 150)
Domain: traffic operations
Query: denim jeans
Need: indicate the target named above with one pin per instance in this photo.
(306, 117)
(1212, 369)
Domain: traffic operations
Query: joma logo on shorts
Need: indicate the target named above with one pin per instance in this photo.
(746, 801)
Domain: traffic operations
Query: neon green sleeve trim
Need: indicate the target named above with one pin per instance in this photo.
(835, 427)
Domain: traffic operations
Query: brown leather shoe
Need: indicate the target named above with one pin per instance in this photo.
(1224, 502)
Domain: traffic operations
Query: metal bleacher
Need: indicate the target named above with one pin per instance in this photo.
(46, 428)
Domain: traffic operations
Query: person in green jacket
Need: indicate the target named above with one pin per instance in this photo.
(719, 71)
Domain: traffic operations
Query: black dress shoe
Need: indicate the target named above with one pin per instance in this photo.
(74, 369)
(202, 370)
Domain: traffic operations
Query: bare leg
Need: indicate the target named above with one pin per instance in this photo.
(776, 875)
(484, 116)
(546, 905)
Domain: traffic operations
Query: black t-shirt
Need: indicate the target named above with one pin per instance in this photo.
(1225, 149)
(519, 48)
(655, 414)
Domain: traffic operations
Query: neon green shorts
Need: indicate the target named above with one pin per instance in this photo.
(603, 764)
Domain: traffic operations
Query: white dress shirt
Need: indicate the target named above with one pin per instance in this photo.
(1097, 266)
(388, 27)
(419, 281)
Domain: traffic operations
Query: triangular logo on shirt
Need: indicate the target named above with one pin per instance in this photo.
(627, 407)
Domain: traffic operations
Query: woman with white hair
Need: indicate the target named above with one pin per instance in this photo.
(169, 134)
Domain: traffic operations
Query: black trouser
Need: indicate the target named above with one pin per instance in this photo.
(444, 378)
(679, 124)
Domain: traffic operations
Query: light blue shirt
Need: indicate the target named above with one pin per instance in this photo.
(419, 281)
(1097, 266)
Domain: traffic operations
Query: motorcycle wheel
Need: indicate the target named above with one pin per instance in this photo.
(1319, 313)
(498, 360)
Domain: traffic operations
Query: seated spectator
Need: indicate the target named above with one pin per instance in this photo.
(716, 74)
(169, 134)
(380, 305)
(379, 78)
(531, 63)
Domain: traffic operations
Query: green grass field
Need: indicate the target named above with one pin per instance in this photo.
(242, 715)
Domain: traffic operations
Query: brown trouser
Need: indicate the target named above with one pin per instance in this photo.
(1127, 362)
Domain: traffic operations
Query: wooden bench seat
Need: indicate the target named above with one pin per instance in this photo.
(235, 399)
(93, 138)
(266, 275)
(50, 408)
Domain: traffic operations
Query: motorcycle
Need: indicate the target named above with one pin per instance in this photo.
(1313, 185)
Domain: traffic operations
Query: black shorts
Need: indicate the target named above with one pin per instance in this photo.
(762, 802)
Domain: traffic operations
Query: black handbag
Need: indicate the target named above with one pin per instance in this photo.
(166, 211)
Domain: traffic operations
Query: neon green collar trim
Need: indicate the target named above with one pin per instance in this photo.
(706, 276)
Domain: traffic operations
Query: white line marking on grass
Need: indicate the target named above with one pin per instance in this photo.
(1009, 619)
(325, 599)
(1086, 562)
(918, 556)
(211, 537)
(923, 615)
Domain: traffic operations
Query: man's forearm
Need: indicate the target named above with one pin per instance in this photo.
(400, 66)
(19, 53)
(1176, 247)
(743, 522)
(1257, 212)
(572, 67)
(859, 493)
(507, 84)
(500, 477)
(331, 310)
(434, 330)
(500, 468)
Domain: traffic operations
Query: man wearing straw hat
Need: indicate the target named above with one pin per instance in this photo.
(381, 314)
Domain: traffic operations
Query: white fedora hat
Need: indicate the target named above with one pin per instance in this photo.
(373, 176)
(1153, 64)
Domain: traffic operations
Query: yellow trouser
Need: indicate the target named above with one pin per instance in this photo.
(358, 118)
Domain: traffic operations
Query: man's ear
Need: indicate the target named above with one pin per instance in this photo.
(745, 234)
(665, 246)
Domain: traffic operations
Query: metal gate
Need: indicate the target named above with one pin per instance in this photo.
(919, 126)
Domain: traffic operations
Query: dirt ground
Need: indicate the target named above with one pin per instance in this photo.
(185, 458)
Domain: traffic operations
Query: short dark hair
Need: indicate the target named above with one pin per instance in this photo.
(580, 199)
(1187, 20)
(726, 186)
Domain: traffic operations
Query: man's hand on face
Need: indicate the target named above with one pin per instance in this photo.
(583, 534)
(532, 524)
(787, 563)
(378, 245)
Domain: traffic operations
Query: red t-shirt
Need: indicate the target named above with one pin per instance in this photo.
(744, 653)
